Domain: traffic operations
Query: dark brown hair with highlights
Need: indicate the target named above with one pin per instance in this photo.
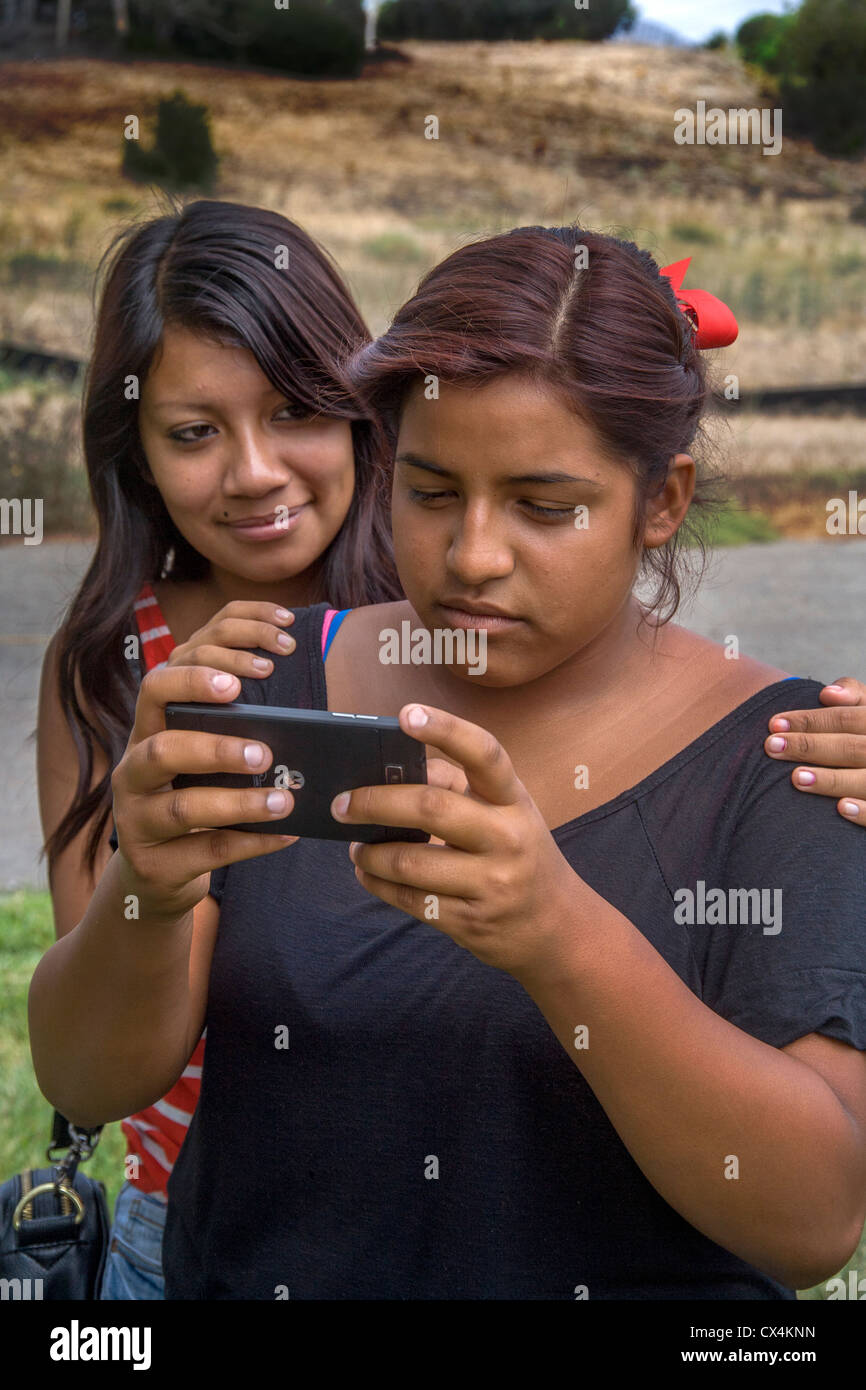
(211, 268)
(601, 326)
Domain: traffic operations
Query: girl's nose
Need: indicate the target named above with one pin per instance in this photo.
(478, 551)
(256, 463)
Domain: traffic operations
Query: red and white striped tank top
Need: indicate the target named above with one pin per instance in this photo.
(154, 1135)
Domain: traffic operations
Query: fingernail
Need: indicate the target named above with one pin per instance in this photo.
(285, 641)
(417, 717)
(805, 778)
(340, 805)
(836, 689)
(782, 725)
(850, 808)
(353, 850)
(254, 754)
(261, 664)
(282, 614)
(222, 680)
(277, 801)
(777, 745)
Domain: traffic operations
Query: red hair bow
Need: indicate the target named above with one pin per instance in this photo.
(716, 325)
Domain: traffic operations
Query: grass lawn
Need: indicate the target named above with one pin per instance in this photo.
(25, 1116)
(26, 930)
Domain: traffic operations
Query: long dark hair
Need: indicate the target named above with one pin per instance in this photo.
(211, 267)
(603, 327)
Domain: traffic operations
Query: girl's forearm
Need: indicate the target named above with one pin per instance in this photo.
(109, 1006)
(748, 1144)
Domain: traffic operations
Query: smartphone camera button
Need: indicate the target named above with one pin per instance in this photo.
(393, 772)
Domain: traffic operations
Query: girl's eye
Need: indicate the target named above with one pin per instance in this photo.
(554, 512)
(416, 496)
(190, 434)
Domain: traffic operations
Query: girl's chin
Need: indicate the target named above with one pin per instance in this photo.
(265, 564)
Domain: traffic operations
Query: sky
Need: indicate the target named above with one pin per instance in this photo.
(697, 19)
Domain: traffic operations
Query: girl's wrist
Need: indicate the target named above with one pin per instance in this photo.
(568, 939)
(138, 902)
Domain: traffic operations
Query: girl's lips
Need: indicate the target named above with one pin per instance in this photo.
(266, 530)
(492, 622)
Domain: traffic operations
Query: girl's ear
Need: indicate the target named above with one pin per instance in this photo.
(665, 511)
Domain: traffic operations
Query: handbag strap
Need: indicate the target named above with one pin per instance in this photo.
(78, 1143)
(61, 1135)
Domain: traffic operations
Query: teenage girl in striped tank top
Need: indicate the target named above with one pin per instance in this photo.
(155, 1135)
(181, 480)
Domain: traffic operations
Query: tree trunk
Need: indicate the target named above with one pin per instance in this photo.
(121, 17)
(61, 33)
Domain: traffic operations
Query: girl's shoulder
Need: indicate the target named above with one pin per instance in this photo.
(720, 669)
(374, 616)
(360, 633)
(358, 679)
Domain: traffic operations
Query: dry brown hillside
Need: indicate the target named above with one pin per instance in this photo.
(528, 133)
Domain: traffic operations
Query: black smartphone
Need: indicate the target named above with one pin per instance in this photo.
(316, 755)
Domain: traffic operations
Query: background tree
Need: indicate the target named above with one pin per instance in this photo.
(502, 19)
(760, 39)
(822, 63)
(316, 38)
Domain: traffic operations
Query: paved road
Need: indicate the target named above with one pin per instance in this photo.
(800, 605)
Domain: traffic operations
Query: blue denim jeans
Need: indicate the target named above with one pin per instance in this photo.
(133, 1268)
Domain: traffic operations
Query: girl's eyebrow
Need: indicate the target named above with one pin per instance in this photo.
(182, 405)
(416, 461)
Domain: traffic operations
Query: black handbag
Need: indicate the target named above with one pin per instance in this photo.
(54, 1225)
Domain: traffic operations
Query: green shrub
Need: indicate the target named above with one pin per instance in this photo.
(717, 40)
(858, 211)
(393, 246)
(695, 233)
(118, 205)
(45, 271)
(182, 155)
(760, 39)
(502, 19)
(40, 456)
(822, 84)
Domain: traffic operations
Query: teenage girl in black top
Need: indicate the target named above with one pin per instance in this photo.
(719, 1089)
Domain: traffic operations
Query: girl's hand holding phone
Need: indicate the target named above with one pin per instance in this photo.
(227, 641)
(169, 858)
(496, 881)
